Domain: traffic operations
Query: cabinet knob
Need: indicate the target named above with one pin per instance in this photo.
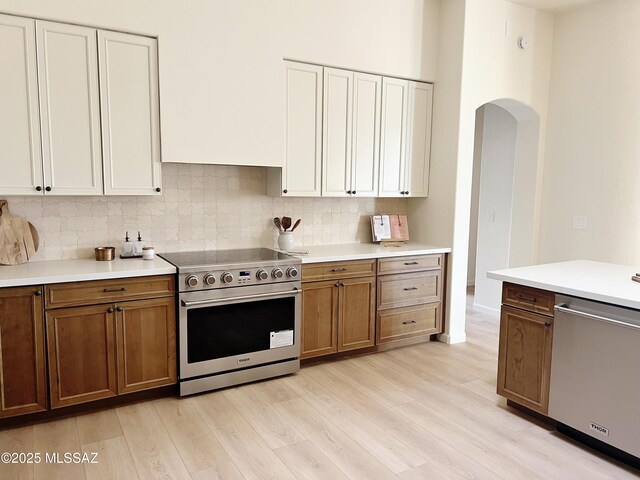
(110, 310)
(38, 188)
(349, 192)
(48, 189)
(354, 192)
(37, 293)
(284, 191)
(158, 189)
(119, 309)
(406, 192)
(547, 324)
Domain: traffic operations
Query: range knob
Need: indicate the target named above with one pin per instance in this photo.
(292, 272)
(191, 281)
(277, 273)
(226, 277)
(262, 274)
(209, 279)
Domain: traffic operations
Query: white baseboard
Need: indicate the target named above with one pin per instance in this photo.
(449, 339)
(487, 310)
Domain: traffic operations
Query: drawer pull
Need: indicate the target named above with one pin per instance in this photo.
(527, 299)
(409, 323)
(114, 290)
(411, 263)
(338, 270)
(410, 288)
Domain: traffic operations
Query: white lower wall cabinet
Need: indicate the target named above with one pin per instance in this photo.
(53, 139)
(20, 154)
(354, 134)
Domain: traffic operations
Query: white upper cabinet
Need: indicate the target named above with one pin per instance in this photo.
(20, 155)
(406, 138)
(336, 133)
(130, 118)
(365, 147)
(351, 133)
(301, 175)
(419, 139)
(69, 109)
(395, 100)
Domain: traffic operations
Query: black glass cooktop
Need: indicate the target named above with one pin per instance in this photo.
(213, 258)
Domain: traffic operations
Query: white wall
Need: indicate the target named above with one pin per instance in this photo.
(496, 197)
(475, 197)
(491, 67)
(221, 74)
(592, 164)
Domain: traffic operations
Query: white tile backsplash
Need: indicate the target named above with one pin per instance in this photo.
(202, 207)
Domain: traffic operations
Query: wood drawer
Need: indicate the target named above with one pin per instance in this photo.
(409, 289)
(406, 322)
(333, 270)
(107, 291)
(528, 298)
(416, 263)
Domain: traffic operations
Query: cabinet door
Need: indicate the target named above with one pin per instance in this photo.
(418, 139)
(146, 339)
(69, 109)
(356, 324)
(22, 373)
(524, 358)
(21, 156)
(81, 349)
(319, 318)
(302, 170)
(336, 133)
(130, 114)
(365, 156)
(393, 137)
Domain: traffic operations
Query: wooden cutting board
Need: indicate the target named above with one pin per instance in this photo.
(19, 240)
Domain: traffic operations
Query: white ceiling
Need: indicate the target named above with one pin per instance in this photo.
(552, 5)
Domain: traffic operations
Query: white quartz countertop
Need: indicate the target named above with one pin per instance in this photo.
(77, 270)
(603, 282)
(361, 251)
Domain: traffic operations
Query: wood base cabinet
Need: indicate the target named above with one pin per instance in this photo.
(82, 354)
(338, 315)
(100, 351)
(23, 379)
(409, 297)
(146, 340)
(524, 358)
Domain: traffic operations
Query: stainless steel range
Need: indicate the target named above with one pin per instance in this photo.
(239, 318)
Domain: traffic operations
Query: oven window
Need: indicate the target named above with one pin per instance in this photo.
(236, 329)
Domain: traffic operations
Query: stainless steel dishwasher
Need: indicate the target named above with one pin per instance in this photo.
(595, 371)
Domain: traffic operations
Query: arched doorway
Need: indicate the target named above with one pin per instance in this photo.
(505, 170)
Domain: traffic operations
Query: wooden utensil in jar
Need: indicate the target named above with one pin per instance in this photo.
(286, 223)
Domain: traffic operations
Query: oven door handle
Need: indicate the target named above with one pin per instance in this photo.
(295, 291)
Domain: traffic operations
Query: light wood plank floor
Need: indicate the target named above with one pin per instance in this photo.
(421, 412)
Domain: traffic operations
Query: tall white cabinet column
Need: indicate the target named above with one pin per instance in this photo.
(130, 118)
(69, 108)
(21, 158)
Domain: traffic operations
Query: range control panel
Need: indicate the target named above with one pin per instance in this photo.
(214, 279)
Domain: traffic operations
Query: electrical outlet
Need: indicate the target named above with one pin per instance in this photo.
(580, 222)
(491, 216)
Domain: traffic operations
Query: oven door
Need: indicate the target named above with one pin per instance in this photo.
(238, 327)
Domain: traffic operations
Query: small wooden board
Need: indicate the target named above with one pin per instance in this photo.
(19, 240)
